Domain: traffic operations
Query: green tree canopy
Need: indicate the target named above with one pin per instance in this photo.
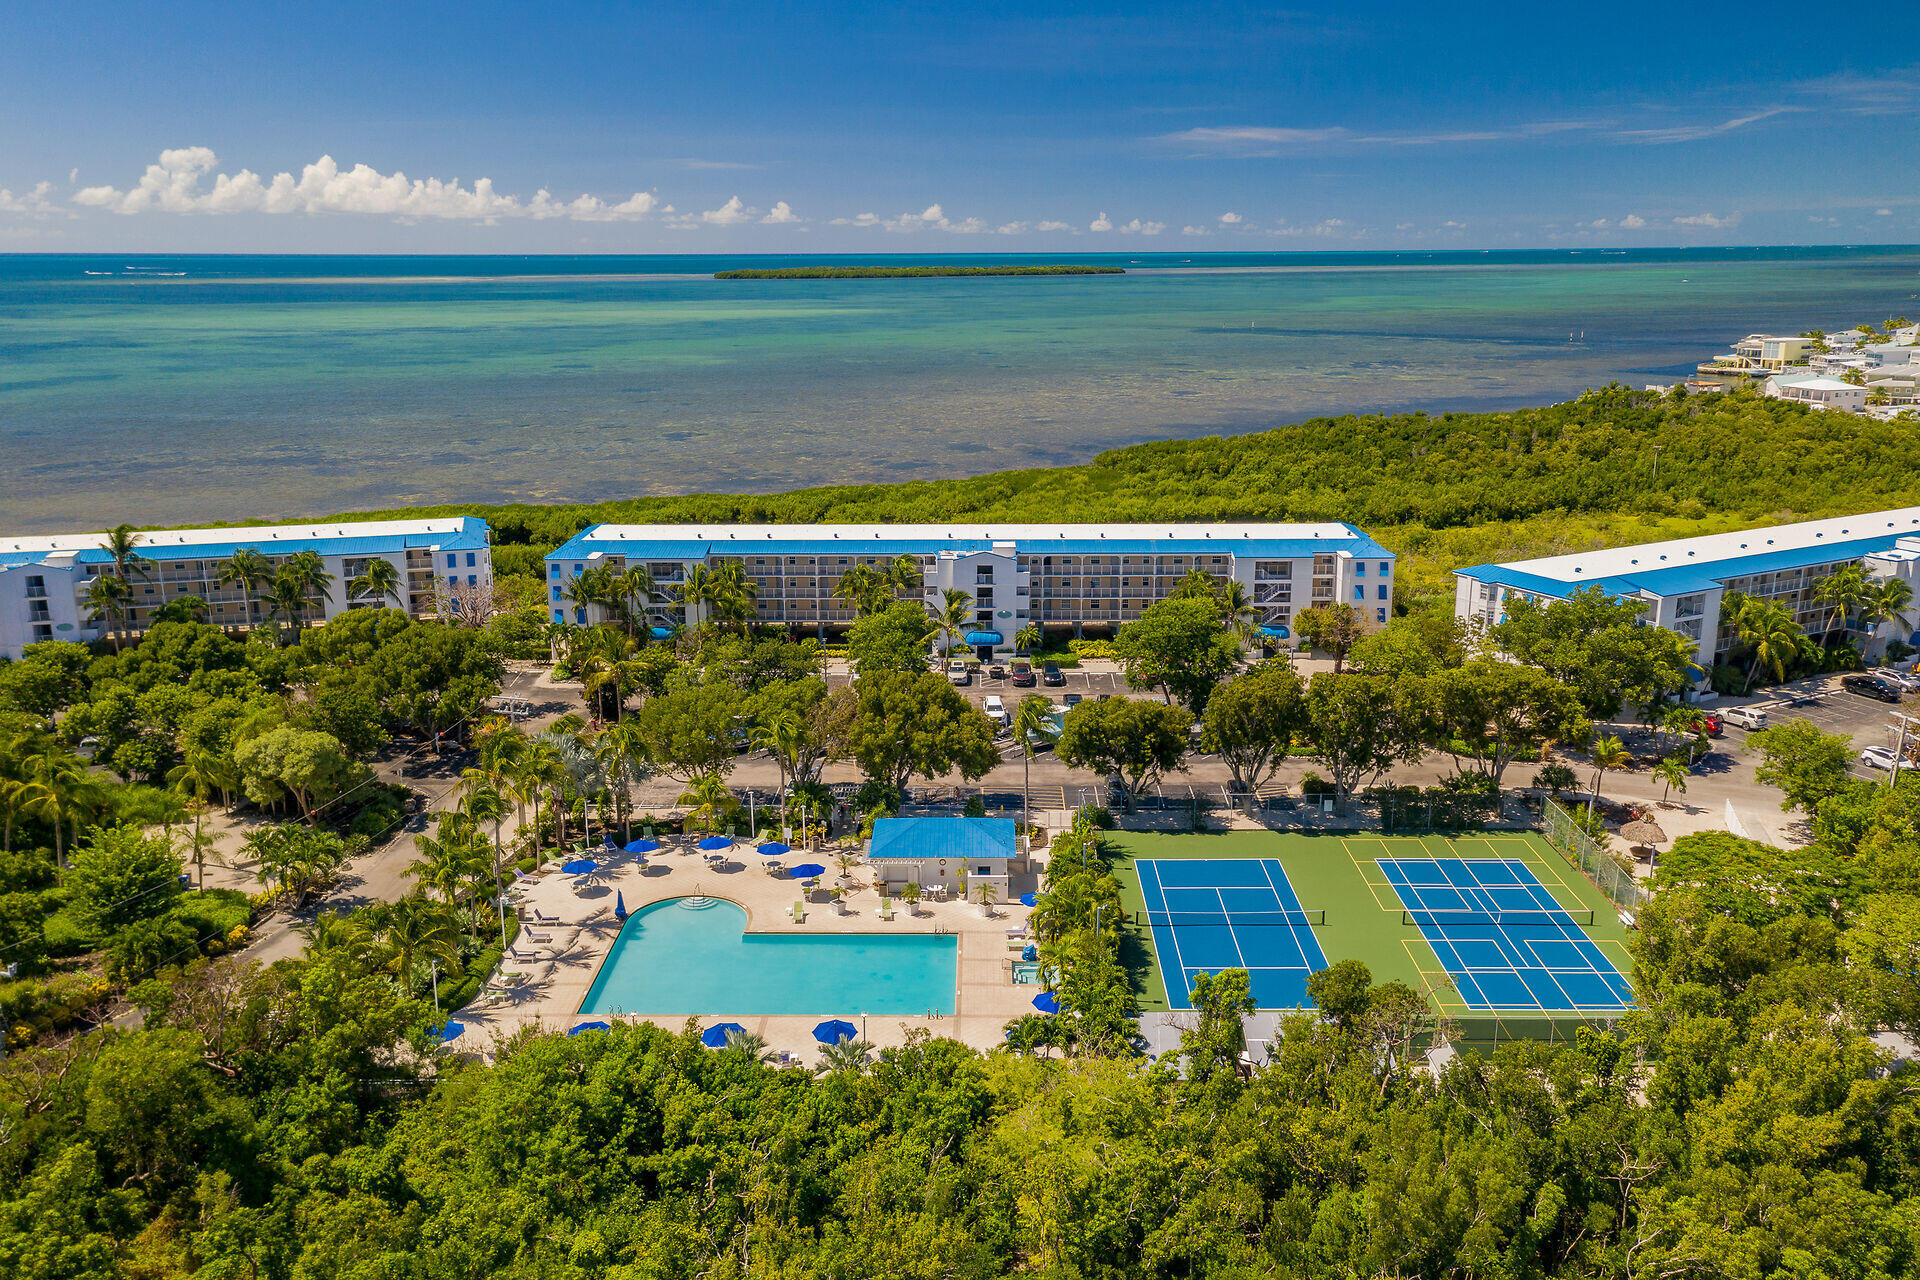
(1177, 647)
(909, 724)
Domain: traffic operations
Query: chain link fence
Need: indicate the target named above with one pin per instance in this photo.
(1568, 834)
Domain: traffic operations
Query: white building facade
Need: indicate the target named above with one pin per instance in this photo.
(43, 580)
(1685, 581)
(1061, 577)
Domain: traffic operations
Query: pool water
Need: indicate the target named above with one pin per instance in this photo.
(695, 958)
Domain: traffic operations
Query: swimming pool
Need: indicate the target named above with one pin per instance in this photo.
(692, 956)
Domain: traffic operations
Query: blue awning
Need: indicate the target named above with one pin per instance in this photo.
(983, 637)
(1276, 633)
(662, 633)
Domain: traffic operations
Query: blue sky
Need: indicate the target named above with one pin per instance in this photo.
(916, 128)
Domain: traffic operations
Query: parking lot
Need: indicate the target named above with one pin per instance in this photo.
(1822, 700)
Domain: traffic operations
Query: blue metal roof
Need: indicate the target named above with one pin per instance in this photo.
(470, 536)
(960, 839)
(585, 543)
(1686, 576)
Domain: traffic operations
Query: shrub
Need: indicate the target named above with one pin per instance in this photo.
(66, 936)
(34, 1009)
(1899, 651)
(1556, 778)
(1314, 785)
(214, 914)
(1090, 648)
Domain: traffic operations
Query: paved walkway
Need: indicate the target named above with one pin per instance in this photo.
(557, 964)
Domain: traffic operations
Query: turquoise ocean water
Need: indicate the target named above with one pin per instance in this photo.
(175, 389)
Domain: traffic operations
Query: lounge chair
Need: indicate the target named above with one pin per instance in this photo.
(800, 912)
(542, 916)
(886, 907)
(538, 937)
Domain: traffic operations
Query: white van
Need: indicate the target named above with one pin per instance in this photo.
(1745, 717)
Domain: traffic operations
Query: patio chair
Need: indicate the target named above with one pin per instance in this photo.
(886, 907)
(800, 912)
(538, 937)
(542, 916)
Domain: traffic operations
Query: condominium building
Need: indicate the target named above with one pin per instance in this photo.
(1685, 580)
(44, 580)
(1067, 577)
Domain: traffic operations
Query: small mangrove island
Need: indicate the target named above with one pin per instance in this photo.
(890, 273)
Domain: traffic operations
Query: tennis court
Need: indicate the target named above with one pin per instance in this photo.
(1234, 913)
(1502, 938)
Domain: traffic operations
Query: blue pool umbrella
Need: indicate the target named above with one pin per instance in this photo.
(717, 842)
(1029, 899)
(619, 906)
(774, 849)
(451, 1031)
(834, 1030)
(581, 867)
(643, 846)
(591, 1026)
(1047, 1002)
(715, 1036)
(806, 871)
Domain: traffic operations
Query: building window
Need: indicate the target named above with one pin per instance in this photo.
(469, 559)
(1359, 568)
(453, 579)
(984, 871)
(473, 579)
(559, 616)
(553, 571)
(556, 596)
(1359, 593)
(1380, 615)
(1386, 567)
(580, 616)
(449, 559)
(1383, 592)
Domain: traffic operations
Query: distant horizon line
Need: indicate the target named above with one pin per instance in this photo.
(908, 253)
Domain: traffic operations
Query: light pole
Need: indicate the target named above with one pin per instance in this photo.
(1656, 462)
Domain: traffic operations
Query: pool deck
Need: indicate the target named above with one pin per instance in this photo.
(558, 963)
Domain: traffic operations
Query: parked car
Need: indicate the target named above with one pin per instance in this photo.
(993, 706)
(1908, 680)
(957, 672)
(1711, 722)
(1877, 758)
(1872, 687)
(1073, 700)
(996, 672)
(1023, 677)
(1050, 673)
(1745, 717)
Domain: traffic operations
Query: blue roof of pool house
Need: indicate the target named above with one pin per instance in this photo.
(962, 839)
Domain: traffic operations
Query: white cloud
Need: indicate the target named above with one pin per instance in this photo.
(1139, 228)
(1633, 222)
(1191, 230)
(178, 184)
(37, 202)
(1013, 228)
(730, 214)
(1328, 227)
(73, 175)
(781, 212)
(1707, 220)
(1883, 213)
(932, 218)
(1230, 218)
(1101, 223)
(1050, 224)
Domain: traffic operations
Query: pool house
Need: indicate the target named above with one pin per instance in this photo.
(944, 851)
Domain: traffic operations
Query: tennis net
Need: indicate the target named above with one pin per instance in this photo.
(1556, 916)
(1237, 919)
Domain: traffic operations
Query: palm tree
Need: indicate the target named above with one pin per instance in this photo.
(335, 933)
(60, 791)
(418, 929)
(128, 563)
(1237, 613)
(450, 861)
(1845, 592)
(782, 734)
(734, 593)
(627, 760)
(1672, 772)
(1608, 753)
(247, 569)
(953, 616)
(1032, 724)
(1770, 630)
(1891, 598)
(697, 589)
(866, 589)
(747, 1045)
(196, 780)
(107, 598)
(904, 575)
(287, 598)
(379, 579)
(636, 584)
(713, 801)
(843, 1056)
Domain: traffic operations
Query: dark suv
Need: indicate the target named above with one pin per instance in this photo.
(1871, 687)
(1050, 673)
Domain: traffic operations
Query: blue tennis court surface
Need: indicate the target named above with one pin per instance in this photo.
(1535, 957)
(1228, 915)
